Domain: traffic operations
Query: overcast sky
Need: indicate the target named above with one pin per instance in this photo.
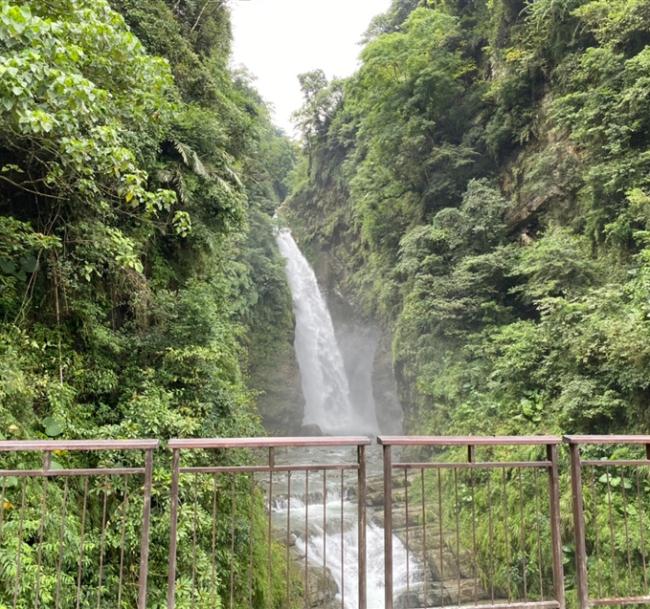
(279, 39)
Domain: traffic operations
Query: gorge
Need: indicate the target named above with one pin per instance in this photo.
(466, 231)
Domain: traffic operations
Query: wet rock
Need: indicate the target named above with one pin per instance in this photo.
(275, 376)
(389, 409)
(375, 498)
(311, 430)
(408, 600)
(322, 589)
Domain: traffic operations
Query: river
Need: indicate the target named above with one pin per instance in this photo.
(330, 406)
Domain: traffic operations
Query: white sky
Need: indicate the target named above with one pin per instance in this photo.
(279, 39)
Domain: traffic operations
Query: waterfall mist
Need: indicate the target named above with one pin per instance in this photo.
(329, 402)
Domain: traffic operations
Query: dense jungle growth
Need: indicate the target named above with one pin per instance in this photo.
(479, 189)
(138, 177)
(482, 187)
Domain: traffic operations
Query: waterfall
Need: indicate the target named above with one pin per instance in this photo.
(330, 406)
(325, 385)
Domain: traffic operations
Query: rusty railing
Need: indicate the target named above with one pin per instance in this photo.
(66, 523)
(473, 532)
(611, 503)
(285, 515)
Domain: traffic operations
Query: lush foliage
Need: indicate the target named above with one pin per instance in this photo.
(136, 175)
(481, 187)
(482, 182)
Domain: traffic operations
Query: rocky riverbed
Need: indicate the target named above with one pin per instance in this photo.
(444, 575)
(439, 574)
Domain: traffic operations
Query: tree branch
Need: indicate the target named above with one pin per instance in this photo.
(29, 190)
(198, 19)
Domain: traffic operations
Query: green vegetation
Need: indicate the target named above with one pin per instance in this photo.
(481, 187)
(137, 175)
(482, 183)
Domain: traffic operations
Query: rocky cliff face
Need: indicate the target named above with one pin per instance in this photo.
(368, 362)
(276, 377)
(273, 369)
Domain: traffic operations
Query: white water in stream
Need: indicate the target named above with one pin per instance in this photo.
(340, 552)
(328, 405)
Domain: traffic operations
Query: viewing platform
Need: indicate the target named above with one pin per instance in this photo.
(481, 522)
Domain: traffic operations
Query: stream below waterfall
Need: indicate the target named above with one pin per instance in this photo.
(326, 531)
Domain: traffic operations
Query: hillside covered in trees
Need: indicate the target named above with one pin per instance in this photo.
(134, 171)
(479, 189)
(138, 178)
(482, 188)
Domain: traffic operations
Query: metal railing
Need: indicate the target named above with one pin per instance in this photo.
(611, 503)
(66, 523)
(284, 488)
(483, 534)
(468, 521)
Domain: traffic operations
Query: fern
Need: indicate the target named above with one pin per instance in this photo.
(191, 159)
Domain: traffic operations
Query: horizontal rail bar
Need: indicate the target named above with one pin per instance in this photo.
(616, 462)
(474, 465)
(260, 469)
(468, 440)
(76, 445)
(497, 605)
(299, 442)
(66, 473)
(631, 600)
(607, 439)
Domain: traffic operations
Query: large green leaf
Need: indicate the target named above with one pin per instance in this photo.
(53, 426)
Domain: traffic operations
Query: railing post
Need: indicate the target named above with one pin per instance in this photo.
(173, 525)
(579, 526)
(361, 493)
(556, 534)
(144, 539)
(388, 526)
(270, 524)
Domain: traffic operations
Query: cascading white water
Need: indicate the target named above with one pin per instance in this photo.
(324, 382)
(340, 551)
(329, 405)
